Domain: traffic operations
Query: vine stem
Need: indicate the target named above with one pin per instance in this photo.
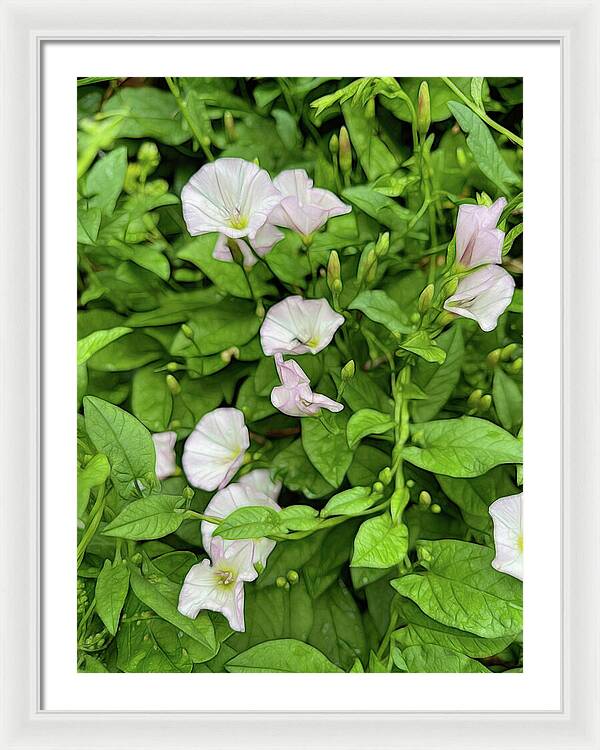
(183, 107)
(484, 116)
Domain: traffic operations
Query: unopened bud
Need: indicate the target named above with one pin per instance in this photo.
(425, 498)
(260, 309)
(378, 487)
(136, 558)
(451, 287)
(333, 268)
(229, 124)
(187, 331)
(435, 508)
(474, 398)
(334, 144)
(410, 483)
(385, 475)
(370, 109)
(485, 403)
(188, 493)
(516, 366)
(426, 298)
(345, 151)
(508, 351)
(280, 582)
(348, 370)
(414, 317)
(423, 109)
(337, 287)
(173, 385)
(172, 367)
(149, 156)
(461, 157)
(493, 357)
(228, 354)
(382, 245)
(293, 576)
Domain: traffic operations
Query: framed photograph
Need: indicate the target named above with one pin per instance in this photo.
(297, 298)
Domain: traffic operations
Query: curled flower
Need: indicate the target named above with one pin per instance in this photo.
(219, 586)
(215, 450)
(506, 514)
(294, 396)
(297, 326)
(483, 296)
(225, 502)
(303, 207)
(164, 447)
(230, 196)
(478, 241)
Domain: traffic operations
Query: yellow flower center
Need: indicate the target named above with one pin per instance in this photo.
(238, 221)
(520, 543)
(225, 577)
(312, 343)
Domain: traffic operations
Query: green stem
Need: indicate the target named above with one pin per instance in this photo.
(383, 647)
(183, 107)
(92, 527)
(480, 113)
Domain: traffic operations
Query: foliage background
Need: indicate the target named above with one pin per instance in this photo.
(139, 141)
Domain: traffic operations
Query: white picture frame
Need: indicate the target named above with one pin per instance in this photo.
(26, 26)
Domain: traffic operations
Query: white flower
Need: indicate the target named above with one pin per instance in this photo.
(215, 450)
(294, 396)
(266, 237)
(259, 480)
(230, 196)
(225, 502)
(219, 586)
(506, 513)
(478, 241)
(298, 326)
(164, 447)
(482, 295)
(303, 207)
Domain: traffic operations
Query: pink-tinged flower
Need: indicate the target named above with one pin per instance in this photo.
(219, 586)
(225, 502)
(230, 196)
(164, 447)
(259, 480)
(483, 296)
(304, 208)
(215, 450)
(298, 326)
(478, 241)
(266, 237)
(506, 513)
(294, 396)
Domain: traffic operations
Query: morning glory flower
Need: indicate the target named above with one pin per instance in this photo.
(164, 447)
(508, 535)
(230, 196)
(294, 396)
(297, 326)
(225, 502)
(478, 241)
(303, 207)
(215, 450)
(219, 585)
(483, 296)
(259, 480)
(264, 240)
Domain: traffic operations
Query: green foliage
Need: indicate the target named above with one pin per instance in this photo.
(383, 543)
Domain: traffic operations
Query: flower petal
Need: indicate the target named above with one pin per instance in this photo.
(506, 513)
(298, 326)
(483, 296)
(164, 447)
(478, 241)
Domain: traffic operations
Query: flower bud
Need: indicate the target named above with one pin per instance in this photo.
(260, 309)
(229, 124)
(337, 286)
(426, 298)
(385, 475)
(334, 145)
(174, 424)
(173, 385)
(474, 398)
(485, 403)
(136, 559)
(508, 351)
(516, 366)
(493, 357)
(423, 554)
(461, 157)
(172, 367)
(188, 493)
(451, 287)
(148, 156)
(293, 576)
(378, 487)
(345, 151)
(187, 331)
(228, 354)
(333, 268)
(425, 498)
(410, 483)
(280, 582)
(382, 245)
(435, 508)
(423, 109)
(348, 370)
(370, 109)
(414, 317)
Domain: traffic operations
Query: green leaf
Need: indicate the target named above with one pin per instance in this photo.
(327, 447)
(460, 589)
(148, 112)
(104, 182)
(508, 400)
(250, 522)
(380, 308)
(284, 655)
(375, 157)
(151, 399)
(367, 422)
(350, 502)
(362, 392)
(379, 543)
(298, 473)
(432, 658)
(421, 344)
(93, 474)
(385, 210)
(337, 629)
(465, 447)
(112, 586)
(299, 518)
(511, 236)
(483, 147)
(145, 643)
(126, 443)
(88, 225)
(439, 382)
(124, 354)
(97, 340)
(200, 629)
(150, 518)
